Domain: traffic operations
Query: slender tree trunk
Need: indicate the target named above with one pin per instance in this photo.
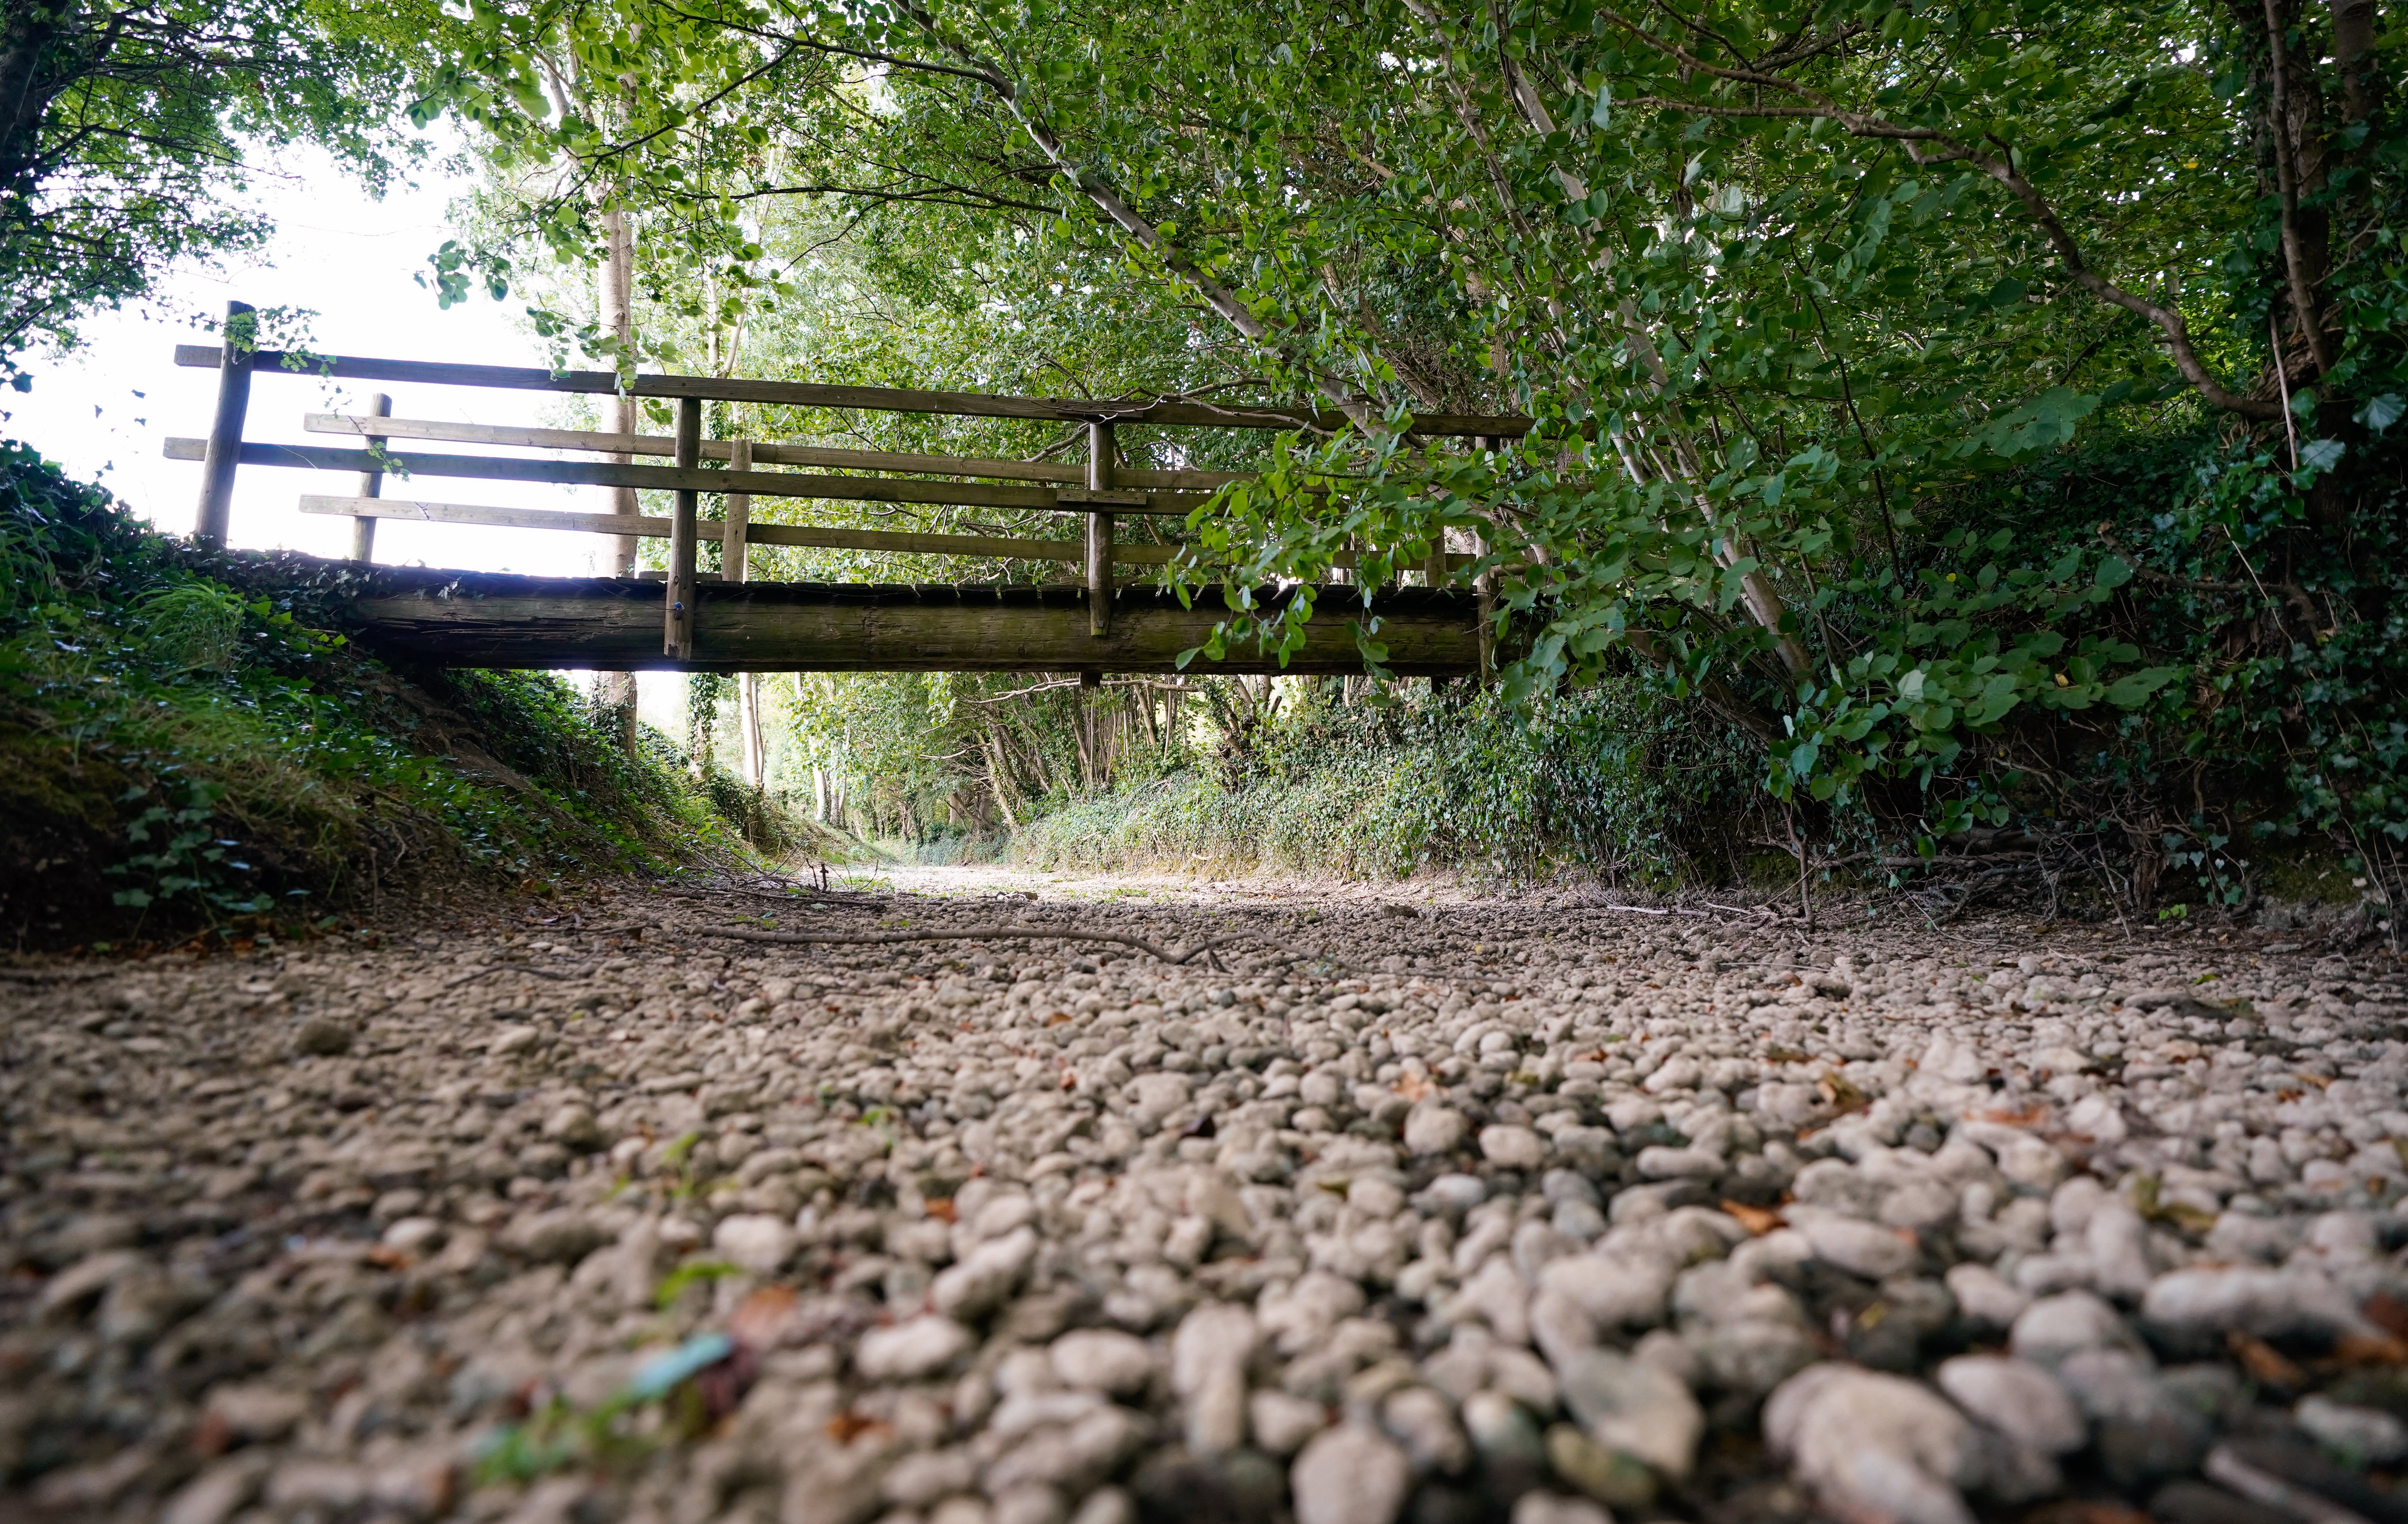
(747, 698)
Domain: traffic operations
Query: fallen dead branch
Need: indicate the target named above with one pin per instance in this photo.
(982, 934)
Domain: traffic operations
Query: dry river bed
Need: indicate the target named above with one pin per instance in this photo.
(1523, 1210)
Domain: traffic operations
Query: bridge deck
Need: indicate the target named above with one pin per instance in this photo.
(499, 619)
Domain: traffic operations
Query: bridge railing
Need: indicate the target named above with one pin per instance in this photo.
(1101, 489)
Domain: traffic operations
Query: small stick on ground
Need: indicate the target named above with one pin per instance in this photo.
(982, 934)
(514, 968)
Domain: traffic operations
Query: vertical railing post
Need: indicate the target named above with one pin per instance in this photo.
(1484, 585)
(678, 636)
(1099, 532)
(216, 514)
(734, 535)
(733, 553)
(371, 485)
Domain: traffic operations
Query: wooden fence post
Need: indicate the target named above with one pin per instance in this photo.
(1099, 532)
(677, 630)
(732, 538)
(733, 554)
(371, 485)
(209, 526)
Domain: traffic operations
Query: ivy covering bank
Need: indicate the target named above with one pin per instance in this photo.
(182, 755)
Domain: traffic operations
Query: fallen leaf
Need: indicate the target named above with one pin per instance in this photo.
(2029, 1116)
(1837, 1091)
(2370, 1349)
(1756, 1219)
(2386, 1311)
(761, 1317)
(2264, 1362)
(848, 1425)
(942, 1208)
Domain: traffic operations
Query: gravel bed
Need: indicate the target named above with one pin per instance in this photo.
(1514, 1210)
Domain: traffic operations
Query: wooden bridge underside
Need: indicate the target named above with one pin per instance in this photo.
(614, 624)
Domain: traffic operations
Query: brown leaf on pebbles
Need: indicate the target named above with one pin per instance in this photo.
(2264, 1362)
(2085, 1511)
(1756, 1219)
(848, 1425)
(763, 1317)
(2369, 1349)
(1841, 1095)
(2386, 1311)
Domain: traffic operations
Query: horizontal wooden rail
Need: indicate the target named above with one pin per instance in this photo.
(986, 546)
(489, 619)
(677, 479)
(762, 453)
(756, 532)
(810, 394)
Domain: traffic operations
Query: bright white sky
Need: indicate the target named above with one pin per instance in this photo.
(104, 411)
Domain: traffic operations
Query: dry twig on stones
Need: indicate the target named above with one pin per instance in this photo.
(982, 933)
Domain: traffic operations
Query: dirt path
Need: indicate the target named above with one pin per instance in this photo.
(1469, 1211)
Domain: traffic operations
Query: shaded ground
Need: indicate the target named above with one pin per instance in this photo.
(1481, 1210)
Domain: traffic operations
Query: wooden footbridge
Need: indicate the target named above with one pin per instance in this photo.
(728, 623)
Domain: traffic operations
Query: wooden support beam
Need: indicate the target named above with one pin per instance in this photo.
(371, 485)
(490, 619)
(678, 630)
(1071, 552)
(687, 478)
(1099, 532)
(764, 452)
(873, 398)
(223, 451)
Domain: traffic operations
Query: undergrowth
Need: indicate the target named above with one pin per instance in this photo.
(1610, 782)
(179, 753)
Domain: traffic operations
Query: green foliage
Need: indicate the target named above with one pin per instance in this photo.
(124, 149)
(1612, 782)
(181, 754)
(1805, 304)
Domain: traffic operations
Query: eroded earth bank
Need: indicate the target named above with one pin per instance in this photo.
(1527, 1210)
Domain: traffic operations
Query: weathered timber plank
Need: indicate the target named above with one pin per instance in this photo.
(423, 511)
(501, 620)
(759, 534)
(810, 394)
(764, 452)
(694, 479)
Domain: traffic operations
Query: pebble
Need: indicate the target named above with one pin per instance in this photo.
(2017, 1398)
(321, 1037)
(1350, 1475)
(1435, 1130)
(1511, 1148)
(910, 1350)
(2359, 1436)
(1103, 1359)
(753, 1241)
(2050, 1329)
(1031, 1233)
(1875, 1446)
(1634, 1408)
